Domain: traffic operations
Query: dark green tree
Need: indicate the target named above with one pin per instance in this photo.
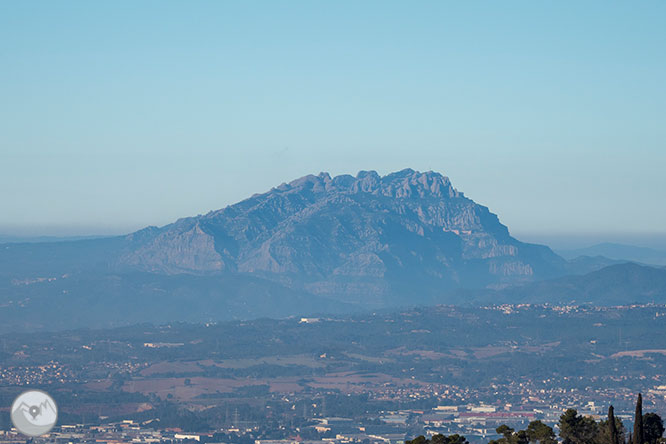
(507, 435)
(639, 437)
(576, 429)
(612, 427)
(418, 440)
(505, 431)
(653, 428)
(605, 431)
(538, 432)
(439, 439)
(456, 439)
(520, 437)
(510, 436)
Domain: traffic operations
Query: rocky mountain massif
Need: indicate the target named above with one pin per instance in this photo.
(359, 239)
(333, 243)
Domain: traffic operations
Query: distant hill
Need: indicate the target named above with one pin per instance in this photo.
(10, 239)
(620, 284)
(107, 300)
(588, 264)
(619, 252)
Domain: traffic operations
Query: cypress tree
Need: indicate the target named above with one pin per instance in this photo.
(614, 439)
(638, 421)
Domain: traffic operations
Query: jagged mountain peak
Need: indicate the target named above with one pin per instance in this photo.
(401, 184)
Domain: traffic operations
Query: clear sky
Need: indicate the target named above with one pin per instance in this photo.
(115, 115)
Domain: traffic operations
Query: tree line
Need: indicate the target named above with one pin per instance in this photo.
(573, 429)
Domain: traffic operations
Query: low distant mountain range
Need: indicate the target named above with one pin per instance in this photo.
(316, 244)
(621, 284)
(8, 239)
(618, 252)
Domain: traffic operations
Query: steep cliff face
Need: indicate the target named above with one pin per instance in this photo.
(407, 234)
(190, 249)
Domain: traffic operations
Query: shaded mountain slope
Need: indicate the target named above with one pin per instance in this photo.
(620, 284)
(106, 300)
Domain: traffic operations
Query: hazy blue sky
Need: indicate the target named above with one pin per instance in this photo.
(115, 115)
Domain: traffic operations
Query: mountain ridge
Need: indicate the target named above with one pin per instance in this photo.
(618, 251)
(618, 284)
